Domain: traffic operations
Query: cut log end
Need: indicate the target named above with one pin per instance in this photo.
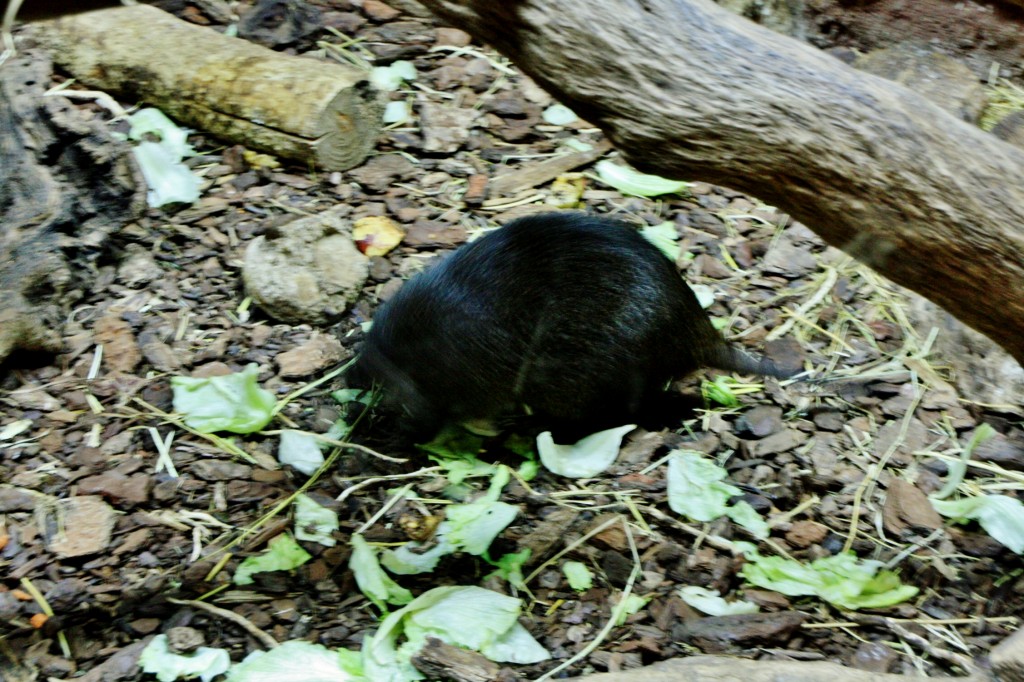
(350, 125)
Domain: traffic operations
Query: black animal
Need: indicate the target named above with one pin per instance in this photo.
(575, 318)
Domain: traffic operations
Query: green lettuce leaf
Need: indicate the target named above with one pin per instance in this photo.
(710, 602)
(314, 523)
(843, 580)
(468, 617)
(665, 237)
(282, 554)
(578, 575)
(299, 661)
(204, 663)
(300, 450)
(696, 487)
(371, 578)
(233, 402)
(1001, 516)
(586, 458)
(629, 181)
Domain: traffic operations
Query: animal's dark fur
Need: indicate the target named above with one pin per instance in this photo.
(575, 316)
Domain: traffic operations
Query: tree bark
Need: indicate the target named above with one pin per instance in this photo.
(686, 90)
(65, 185)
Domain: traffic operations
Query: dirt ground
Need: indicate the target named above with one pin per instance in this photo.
(83, 587)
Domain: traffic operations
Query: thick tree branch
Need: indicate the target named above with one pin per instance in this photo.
(687, 90)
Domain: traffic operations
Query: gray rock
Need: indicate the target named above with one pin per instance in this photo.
(985, 373)
(789, 260)
(430, 233)
(915, 439)
(308, 271)
(829, 421)
(445, 128)
(381, 171)
(221, 470)
(1006, 452)
(761, 421)
(320, 352)
(782, 441)
(16, 499)
(118, 487)
(873, 657)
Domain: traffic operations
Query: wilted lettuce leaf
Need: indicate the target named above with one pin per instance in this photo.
(578, 575)
(632, 604)
(843, 580)
(233, 402)
(389, 78)
(705, 294)
(469, 527)
(468, 617)
(665, 237)
(629, 181)
(584, 459)
(313, 522)
(747, 517)
(510, 567)
(300, 450)
(152, 122)
(415, 557)
(1001, 516)
(696, 488)
(371, 578)
(204, 663)
(710, 602)
(282, 554)
(396, 112)
(299, 661)
(168, 179)
(473, 526)
(558, 115)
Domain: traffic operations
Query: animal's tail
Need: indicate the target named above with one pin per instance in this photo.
(731, 358)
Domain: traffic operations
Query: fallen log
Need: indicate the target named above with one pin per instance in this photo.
(319, 113)
(687, 90)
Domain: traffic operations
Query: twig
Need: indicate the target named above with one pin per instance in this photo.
(573, 545)
(243, 622)
(831, 275)
(395, 499)
(163, 448)
(309, 387)
(963, 662)
(47, 610)
(613, 618)
(1006, 620)
(380, 479)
